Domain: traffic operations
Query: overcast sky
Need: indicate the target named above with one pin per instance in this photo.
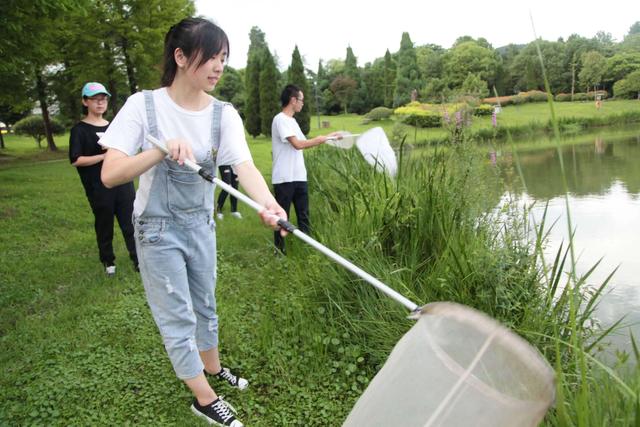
(324, 29)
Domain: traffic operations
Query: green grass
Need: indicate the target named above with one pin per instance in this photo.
(78, 348)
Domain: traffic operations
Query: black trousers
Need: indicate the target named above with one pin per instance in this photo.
(105, 204)
(228, 177)
(297, 193)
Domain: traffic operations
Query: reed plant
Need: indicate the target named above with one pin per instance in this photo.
(433, 233)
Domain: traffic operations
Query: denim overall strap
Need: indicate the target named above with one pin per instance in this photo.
(151, 113)
(215, 126)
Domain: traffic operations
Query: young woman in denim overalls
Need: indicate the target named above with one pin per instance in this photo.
(173, 210)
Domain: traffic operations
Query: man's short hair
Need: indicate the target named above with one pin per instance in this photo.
(290, 91)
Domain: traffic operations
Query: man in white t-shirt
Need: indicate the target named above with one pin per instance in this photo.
(289, 175)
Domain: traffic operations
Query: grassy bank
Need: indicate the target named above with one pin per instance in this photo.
(520, 121)
(77, 348)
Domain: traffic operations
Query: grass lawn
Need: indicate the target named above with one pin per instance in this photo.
(79, 348)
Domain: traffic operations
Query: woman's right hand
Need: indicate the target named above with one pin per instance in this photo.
(179, 150)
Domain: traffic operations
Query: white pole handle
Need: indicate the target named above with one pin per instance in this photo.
(292, 229)
(350, 135)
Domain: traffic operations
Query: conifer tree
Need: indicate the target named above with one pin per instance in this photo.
(257, 47)
(298, 78)
(252, 120)
(408, 73)
(389, 79)
(351, 65)
(269, 105)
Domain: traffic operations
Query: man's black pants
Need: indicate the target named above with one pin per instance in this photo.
(295, 192)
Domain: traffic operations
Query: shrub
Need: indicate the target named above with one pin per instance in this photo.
(379, 113)
(427, 119)
(563, 97)
(483, 110)
(419, 115)
(580, 96)
(534, 96)
(33, 126)
(517, 100)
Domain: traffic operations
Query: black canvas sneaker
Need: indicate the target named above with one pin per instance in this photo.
(218, 413)
(232, 379)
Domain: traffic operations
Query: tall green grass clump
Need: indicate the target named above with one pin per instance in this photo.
(427, 234)
(434, 234)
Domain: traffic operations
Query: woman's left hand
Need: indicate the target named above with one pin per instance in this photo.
(270, 215)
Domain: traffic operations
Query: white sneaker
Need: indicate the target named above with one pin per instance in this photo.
(219, 215)
(236, 214)
(110, 270)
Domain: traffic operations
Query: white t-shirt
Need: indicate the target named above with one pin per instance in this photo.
(129, 128)
(288, 163)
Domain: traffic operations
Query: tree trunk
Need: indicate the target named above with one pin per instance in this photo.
(131, 75)
(70, 104)
(42, 97)
(1, 140)
(112, 82)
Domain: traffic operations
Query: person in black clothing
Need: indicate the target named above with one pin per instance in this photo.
(228, 176)
(87, 155)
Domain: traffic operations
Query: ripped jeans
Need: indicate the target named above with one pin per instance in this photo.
(178, 268)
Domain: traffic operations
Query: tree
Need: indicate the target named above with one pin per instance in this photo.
(343, 88)
(526, 65)
(407, 72)
(574, 48)
(268, 92)
(297, 77)
(505, 81)
(389, 79)
(466, 58)
(436, 90)
(369, 93)
(593, 69)
(257, 47)
(630, 44)
(474, 86)
(430, 61)
(351, 65)
(620, 65)
(230, 88)
(628, 87)
(252, 120)
(28, 34)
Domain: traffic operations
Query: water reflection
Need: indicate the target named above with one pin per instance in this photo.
(603, 182)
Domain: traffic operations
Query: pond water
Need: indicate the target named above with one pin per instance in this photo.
(602, 173)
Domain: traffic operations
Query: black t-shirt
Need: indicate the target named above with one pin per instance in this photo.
(84, 142)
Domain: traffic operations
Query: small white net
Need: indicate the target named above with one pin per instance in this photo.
(457, 367)
(375, 147)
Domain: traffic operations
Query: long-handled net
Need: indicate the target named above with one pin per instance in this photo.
(454, 367)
